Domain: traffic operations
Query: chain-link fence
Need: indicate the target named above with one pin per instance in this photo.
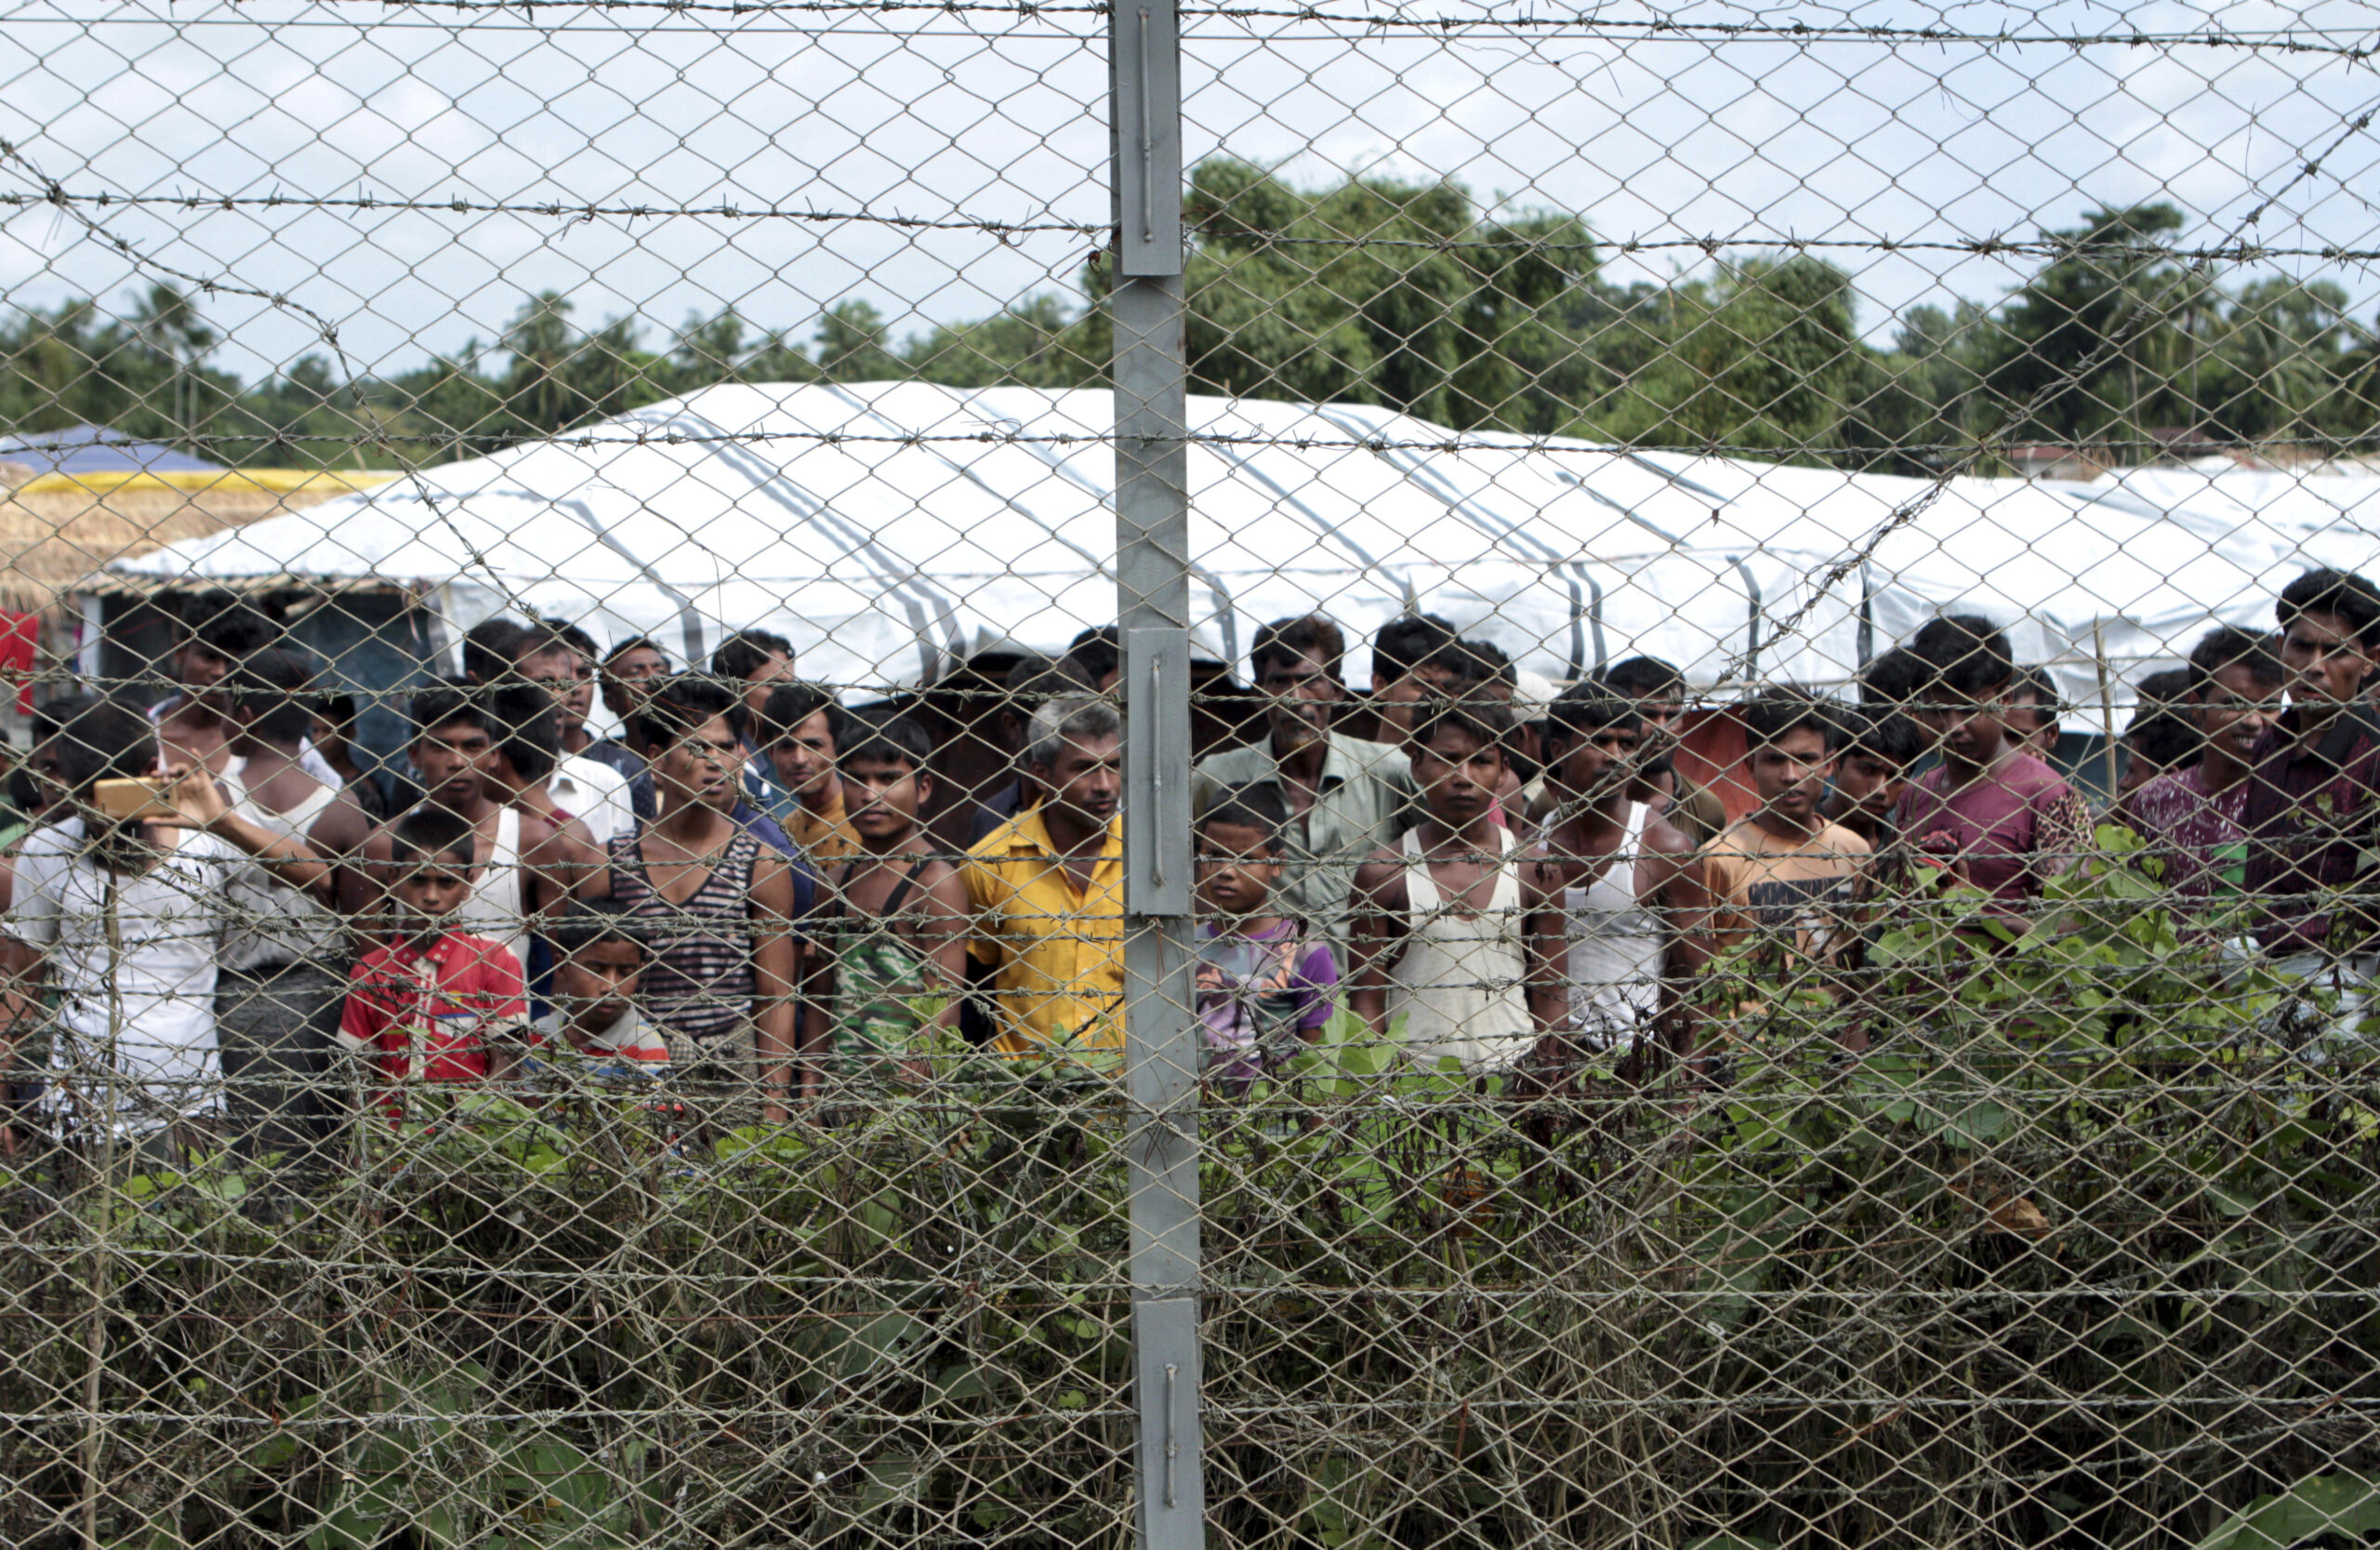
(806, 771)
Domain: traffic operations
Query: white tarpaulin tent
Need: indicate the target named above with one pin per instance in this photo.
(889, 528)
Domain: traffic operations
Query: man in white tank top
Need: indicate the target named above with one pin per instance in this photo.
(1621, 937)
(528, 866)
(1443, 920)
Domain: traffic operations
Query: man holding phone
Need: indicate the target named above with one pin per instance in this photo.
(127, 914)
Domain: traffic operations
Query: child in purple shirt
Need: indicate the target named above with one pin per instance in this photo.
(1265, 983)
(2009, 821)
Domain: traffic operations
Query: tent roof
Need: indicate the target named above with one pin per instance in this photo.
(886, 528)
(93, 449)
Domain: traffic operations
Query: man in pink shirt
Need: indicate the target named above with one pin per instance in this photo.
(2007, 820)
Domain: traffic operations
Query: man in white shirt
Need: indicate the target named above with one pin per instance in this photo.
(129, 926)
(544, 654)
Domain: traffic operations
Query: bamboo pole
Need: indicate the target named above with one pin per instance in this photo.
(2107, 703)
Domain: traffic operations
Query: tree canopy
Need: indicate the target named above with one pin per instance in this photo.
(1407, 294)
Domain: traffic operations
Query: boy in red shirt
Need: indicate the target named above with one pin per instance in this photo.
(436, 1004)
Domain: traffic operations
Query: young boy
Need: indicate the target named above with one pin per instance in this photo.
(436, 1004)
(1785, 873)
(893, 944)
(1873, 772)
(1266, 982)
(594, 1032)
(1441, 923)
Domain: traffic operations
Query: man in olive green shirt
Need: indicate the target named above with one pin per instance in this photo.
(1347, 797)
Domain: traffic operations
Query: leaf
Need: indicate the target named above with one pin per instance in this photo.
(2345, 1504)
(876, 1340)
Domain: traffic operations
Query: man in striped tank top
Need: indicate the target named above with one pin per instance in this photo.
(718, 906)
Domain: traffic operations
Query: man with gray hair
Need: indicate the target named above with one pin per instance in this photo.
(1046, 892)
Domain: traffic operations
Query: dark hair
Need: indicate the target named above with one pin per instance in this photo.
(494, 647)
(789, 705)
(2164, 736)
(747, 652)
(683, 702)
(443, 704)
(2345, 593)
(527, 727)
(427, 833)
(1777, 712)
(2227, 645)
(1886, 734)
(2166, 687)
(1096, 653)
(1965, 653)
(97, 739)
(1035, 682)
(1259, 807)
(1284, 641)
(585, 923)
(1483, 662)
(1893, 679)
(1642, 678)
(276, 687)
(1590, 706)
(566, 633)
(2035, 680)
(884, 740)
(1486, 722)
(634, 643)
(1409, 641)
(340, 710)
(227, 623)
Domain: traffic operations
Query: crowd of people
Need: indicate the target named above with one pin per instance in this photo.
(218, 924)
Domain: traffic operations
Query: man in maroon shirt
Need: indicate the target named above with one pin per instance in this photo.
(2190, 816)
(1991, 808)
(2314, 785)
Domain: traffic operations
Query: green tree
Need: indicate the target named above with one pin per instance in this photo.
(1761, 357)
(2282, 362)
(1038, 343)
(2099, 344)
(166, 326)
(852, 345)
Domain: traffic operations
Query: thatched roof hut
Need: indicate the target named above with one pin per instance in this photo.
(58, 529)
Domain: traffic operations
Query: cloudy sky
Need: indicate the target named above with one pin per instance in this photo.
(1658, 137)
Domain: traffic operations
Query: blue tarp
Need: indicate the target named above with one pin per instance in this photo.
(93, 449)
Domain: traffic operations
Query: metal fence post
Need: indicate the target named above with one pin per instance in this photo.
(1153, 601)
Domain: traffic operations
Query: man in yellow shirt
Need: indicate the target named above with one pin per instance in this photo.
(1047, 889)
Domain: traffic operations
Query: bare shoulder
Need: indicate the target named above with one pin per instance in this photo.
(1664, 837)
(1382, 881)
(344, 825)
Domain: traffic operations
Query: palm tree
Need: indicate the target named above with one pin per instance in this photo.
(166, 324)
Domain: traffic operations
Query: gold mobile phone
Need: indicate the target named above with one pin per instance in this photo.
(143, 798)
